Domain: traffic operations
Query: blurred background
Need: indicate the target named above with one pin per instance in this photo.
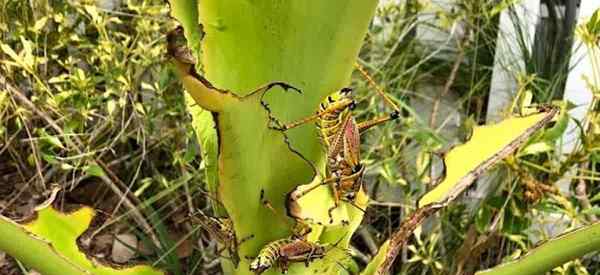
(89, 103)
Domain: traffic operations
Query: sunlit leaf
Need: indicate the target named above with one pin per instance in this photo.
(314, 206)
(10, 52)
(39, 24)
(488, 145)
(48, 243)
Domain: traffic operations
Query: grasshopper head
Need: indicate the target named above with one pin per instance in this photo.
(259, 265)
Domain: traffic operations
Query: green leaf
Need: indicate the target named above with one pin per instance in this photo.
(247, 45)
(557, 131)
(593, 24)
(595, 210)
(595, 198)
(536, 148)
(48, 244)
(204, 127)
(39, 24)
(52, 140)
(483, 218)
(552, 253)
(111, 105)
(94, 170)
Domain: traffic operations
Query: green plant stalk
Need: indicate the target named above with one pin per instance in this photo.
(32, 251)
(552, 253)
(309, 44)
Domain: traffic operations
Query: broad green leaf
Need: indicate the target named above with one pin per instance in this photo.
(247, 45)
(204, 127)
(552, 253)
(48, 243)
(488, 144)
(32, 251)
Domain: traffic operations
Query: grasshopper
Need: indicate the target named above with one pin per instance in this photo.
(282, 252)
(222, 230)
(293, 249)
(340, 134)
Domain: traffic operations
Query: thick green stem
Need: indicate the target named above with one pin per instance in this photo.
(552, 253)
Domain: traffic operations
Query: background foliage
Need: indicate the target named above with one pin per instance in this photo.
(100, 113)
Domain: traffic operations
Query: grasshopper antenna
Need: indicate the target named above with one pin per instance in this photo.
(378, 89)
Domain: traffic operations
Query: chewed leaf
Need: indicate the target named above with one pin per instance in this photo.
(313, 206)
(50, 241)
(488, 145)
(186, 12)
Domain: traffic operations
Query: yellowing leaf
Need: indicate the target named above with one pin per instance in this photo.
(488, 144)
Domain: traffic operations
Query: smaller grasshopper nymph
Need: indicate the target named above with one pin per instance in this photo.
(282, 252)
(222, 230)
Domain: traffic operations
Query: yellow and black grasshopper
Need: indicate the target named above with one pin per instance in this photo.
(340, 134)
(282, 252)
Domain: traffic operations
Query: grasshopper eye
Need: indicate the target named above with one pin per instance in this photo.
(352, 105)
(346, 91)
